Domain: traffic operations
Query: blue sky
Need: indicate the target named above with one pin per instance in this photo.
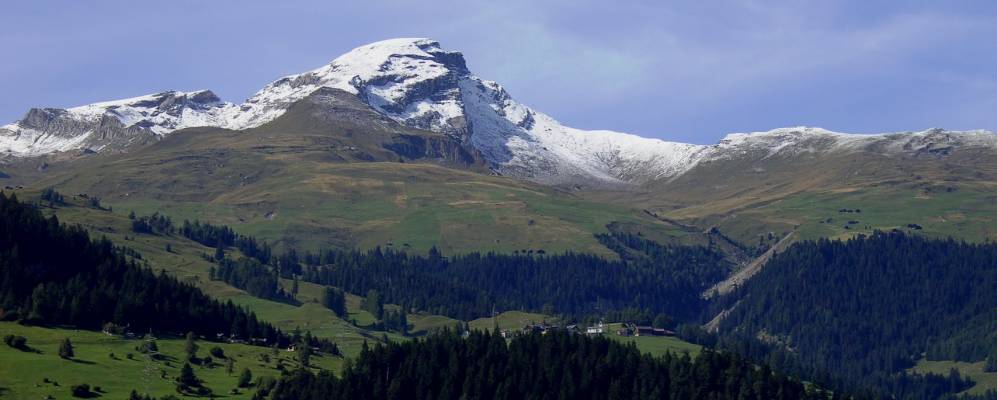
(677, 70)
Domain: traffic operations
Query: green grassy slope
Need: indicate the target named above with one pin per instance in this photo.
(656, 345)
(985, 381)
(323, 175)
(185, 262)
(405, 206)
(968, 212)
(754, 195)
(22, 374)
(510, 320)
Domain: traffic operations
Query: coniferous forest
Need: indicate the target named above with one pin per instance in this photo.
(668, 280)
(52, 274)
(649, 277)
(552, 366)
(851, 316)
(255, 278)
(864, 310)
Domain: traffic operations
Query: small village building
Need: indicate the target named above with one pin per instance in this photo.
(596, 329)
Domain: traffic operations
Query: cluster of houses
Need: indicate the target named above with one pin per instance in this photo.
(628, 329)
(642, 330)
(231, 338)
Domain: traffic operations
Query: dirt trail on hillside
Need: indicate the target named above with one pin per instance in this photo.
(749, 270)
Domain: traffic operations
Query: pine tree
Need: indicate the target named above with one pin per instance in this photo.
(991, 365)
(245, 378)
(190, 347)
(66, 349)
(220, 252)
(374, 304)
(335, 300)
(187, 376)
(304, 354)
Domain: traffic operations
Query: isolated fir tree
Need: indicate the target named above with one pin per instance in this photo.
(187, 377)
(991, 365)
(245, 378)
(190, 347)
(304, 351)
(66, 349)
(219, 252)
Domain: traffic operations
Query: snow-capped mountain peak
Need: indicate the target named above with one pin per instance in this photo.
(385, 74)
(416, 82)
(111, 124)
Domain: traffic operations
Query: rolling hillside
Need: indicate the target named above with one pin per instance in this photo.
(332, 172)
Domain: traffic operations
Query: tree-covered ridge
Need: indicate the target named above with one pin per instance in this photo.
(474, 285)
(650, 278)
(221, 236)
(55, 274)
(869, 307)
(255, 278)
(552, 366)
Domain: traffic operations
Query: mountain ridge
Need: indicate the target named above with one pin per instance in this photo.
(417, 83)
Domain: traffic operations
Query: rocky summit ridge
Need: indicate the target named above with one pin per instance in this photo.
(417, 83)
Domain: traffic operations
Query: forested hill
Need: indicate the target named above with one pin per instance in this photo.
(52, 274)
(650, 278)
(870, 307)
(553, 366)
(664, 280)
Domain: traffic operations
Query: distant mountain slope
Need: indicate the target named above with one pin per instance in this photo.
(289, 165)
(828, 185)
(332, 171)
(420, 85)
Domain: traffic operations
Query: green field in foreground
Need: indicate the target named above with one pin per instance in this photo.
(103, 360)
(984, 380)
(23, 374)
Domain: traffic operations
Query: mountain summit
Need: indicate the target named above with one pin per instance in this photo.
(419, 84)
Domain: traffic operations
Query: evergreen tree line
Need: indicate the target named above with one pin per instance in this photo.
(552, 366)
(866, 309)
(651, 278)
(221, 236)
(665, 280)
(54, 274)
(256, 279)
(155, 224)
(52, 197)
(335, 300)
